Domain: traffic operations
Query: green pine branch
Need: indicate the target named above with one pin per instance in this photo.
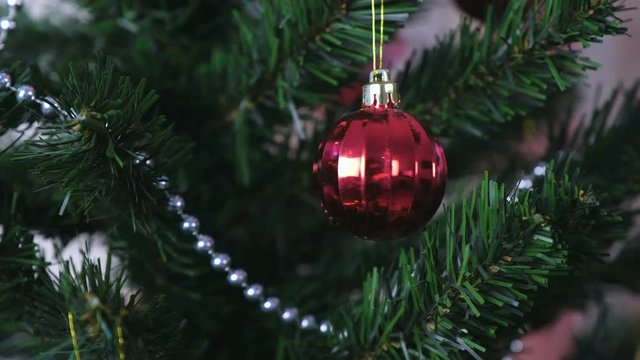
(34, 210)
(474, 78)
(91, 157)
(285, 48)
(609, 147)
(88, 163)
(476, 274)
(606, 148)
(39, 308)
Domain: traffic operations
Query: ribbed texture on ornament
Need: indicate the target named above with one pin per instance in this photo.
(379, 174)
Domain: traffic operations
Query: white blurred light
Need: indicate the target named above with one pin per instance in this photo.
(540, 170)
(516, 346)
(525, 184)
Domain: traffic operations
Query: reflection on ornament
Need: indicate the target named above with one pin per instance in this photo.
(380, 175)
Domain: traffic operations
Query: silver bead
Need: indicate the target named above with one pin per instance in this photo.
(190, 224)
(161, 182)
(220, 261)
(15, 4)
(516, 346)
(540, 169)
(308, 322)
(176, 203)
(237, 277)
(5, 80)
(325, 327)
(253, 292)
(289, 314)
(140, 158)
(50, 108)
(525, 183)
(7, 24)
(25, 93)
(204, 244)
(270, 305)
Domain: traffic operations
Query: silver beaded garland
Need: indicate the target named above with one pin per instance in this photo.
(325, 327)
(253, 292)
(237, 277)
(220, 261)
(270, 304)
(176, 203)
(50, 108)
(526, 183)
(25, 93)
(161, 182)
(140, 158)
(204, 243)
(308, 322)
(5, 80)
(7, 24)
(516, 346)
(540, 170)
(289, 314)
(16, 4)
(190, 224)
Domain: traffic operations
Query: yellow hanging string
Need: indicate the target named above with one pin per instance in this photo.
(381, 30)
(74, 338)
(373, 33)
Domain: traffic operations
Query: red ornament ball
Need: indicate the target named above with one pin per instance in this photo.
(379, 173)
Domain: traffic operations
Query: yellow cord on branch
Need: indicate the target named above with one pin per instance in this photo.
(121, 355)
(74, 338)
(381, 30)
(373, 34)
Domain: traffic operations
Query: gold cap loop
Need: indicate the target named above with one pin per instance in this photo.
(380, 91)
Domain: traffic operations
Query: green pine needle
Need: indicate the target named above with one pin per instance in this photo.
(472, 78)
(478, 271)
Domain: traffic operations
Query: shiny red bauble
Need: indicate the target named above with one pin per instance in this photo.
(379, 173)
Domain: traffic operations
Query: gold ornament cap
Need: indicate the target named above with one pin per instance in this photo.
(380, 91)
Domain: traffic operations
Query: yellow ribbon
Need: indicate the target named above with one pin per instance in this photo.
(74, 338)
(373, 33)
(120, 342)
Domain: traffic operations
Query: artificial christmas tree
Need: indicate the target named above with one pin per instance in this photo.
(203, 187)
